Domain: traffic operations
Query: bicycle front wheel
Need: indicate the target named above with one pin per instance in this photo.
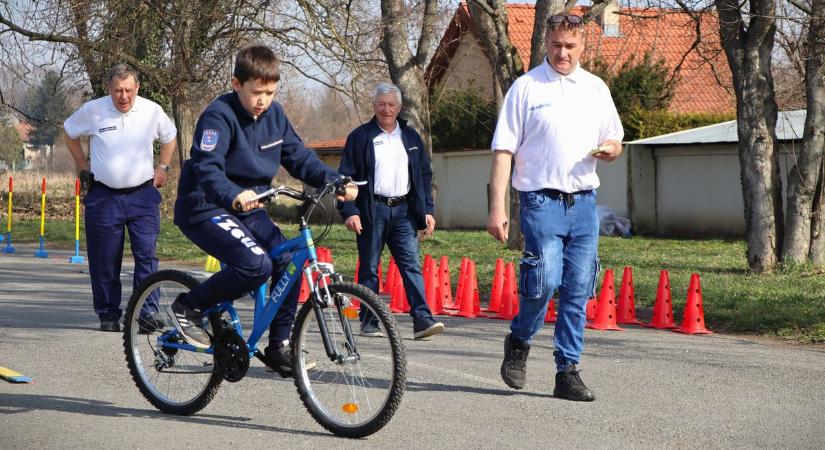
(173, 380)
(356, 392)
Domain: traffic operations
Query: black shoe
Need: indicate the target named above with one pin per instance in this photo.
(279, 359)
(150, 324)
(514, 366)
(427, 328)
(189, 323)
(112, 325)
(570, 386)
(370, 329)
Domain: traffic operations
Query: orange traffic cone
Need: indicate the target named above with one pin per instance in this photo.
(444, 290)
(389, 283)
(606, 307)
(509, 295)
(303, 295)
(626, 307)
(498, 285)
(590, 309)
(663, 308)
(693, 322)
(431, 286)
(550, 317)
(380, 282)
(470, 305)
(459, 289)
(398, 298)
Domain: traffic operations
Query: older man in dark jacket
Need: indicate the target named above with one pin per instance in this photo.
(393, 205)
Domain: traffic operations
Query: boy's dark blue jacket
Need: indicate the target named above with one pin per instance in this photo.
(358, 162)
(232, 152)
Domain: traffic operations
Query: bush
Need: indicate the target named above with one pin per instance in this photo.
(642, 123)
(462, 119)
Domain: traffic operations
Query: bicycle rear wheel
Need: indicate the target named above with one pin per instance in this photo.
(357, 394)
(174, 381)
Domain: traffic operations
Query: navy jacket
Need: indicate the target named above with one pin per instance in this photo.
(358, 162)
(232, 152)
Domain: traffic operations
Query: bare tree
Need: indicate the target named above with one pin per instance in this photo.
(804, 221)
(182, 48)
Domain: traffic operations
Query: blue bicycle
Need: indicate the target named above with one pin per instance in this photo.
(351, 384)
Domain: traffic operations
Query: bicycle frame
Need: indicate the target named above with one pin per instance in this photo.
(266, 306)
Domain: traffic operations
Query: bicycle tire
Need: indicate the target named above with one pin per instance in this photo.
(357, 397)
(177, 382)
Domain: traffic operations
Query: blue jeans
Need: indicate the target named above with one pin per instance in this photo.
(560, 252)
(108, 212)
(248, 264)
(393, 226)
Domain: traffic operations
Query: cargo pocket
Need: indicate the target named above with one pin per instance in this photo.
(531, 276)
(597, 267)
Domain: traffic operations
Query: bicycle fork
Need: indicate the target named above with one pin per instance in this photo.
(321, 298)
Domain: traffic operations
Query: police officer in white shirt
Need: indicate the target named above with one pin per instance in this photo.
(123, 188)
(556, 122)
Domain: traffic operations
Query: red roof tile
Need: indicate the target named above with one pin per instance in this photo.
(704, 75)
(329, 144)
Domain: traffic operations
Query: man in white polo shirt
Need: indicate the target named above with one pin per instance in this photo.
(556, 122)
(122, 192)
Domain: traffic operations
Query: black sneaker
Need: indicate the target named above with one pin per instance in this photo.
(427, 328)
(570, 386)
(514, 366)
(111, 325)
(370, 329)
(189, 323)
(279, 359)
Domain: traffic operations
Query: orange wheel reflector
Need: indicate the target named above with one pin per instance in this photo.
(350, 313)
(350, 408)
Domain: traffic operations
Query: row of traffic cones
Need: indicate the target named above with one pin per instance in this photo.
(605, 314)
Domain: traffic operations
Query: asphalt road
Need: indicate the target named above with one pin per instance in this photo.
(655, 389)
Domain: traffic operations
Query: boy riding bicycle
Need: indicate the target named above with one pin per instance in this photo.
(240, 141)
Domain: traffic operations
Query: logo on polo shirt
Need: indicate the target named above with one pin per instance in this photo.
(209, 140)
(103, 130)
(539, 106)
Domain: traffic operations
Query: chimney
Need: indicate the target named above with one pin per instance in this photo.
(610, 20)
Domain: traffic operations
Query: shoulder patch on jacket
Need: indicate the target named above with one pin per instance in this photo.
(209, 140)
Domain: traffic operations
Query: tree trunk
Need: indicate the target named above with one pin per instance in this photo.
(749, 55)
(490, 19)
(406, 70)
(805, 178)
(544, 9)
(185, 122)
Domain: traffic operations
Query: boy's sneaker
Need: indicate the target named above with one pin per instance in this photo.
(514, 366)
(427, 328)
(570, 386)
(189, 323)
(370, 329)
(278, 358)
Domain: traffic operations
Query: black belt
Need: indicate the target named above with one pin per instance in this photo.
(390, 201)
(127, 190)
(569, 198)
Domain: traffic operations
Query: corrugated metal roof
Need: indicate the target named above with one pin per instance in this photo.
(789, 127)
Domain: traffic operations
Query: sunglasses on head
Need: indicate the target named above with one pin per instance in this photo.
(561, 18)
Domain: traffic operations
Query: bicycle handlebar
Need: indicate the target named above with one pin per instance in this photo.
(338, 184)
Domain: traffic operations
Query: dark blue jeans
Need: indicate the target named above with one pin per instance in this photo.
(108, 212)
(560, 251)
(242, 243)
(393, 226)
